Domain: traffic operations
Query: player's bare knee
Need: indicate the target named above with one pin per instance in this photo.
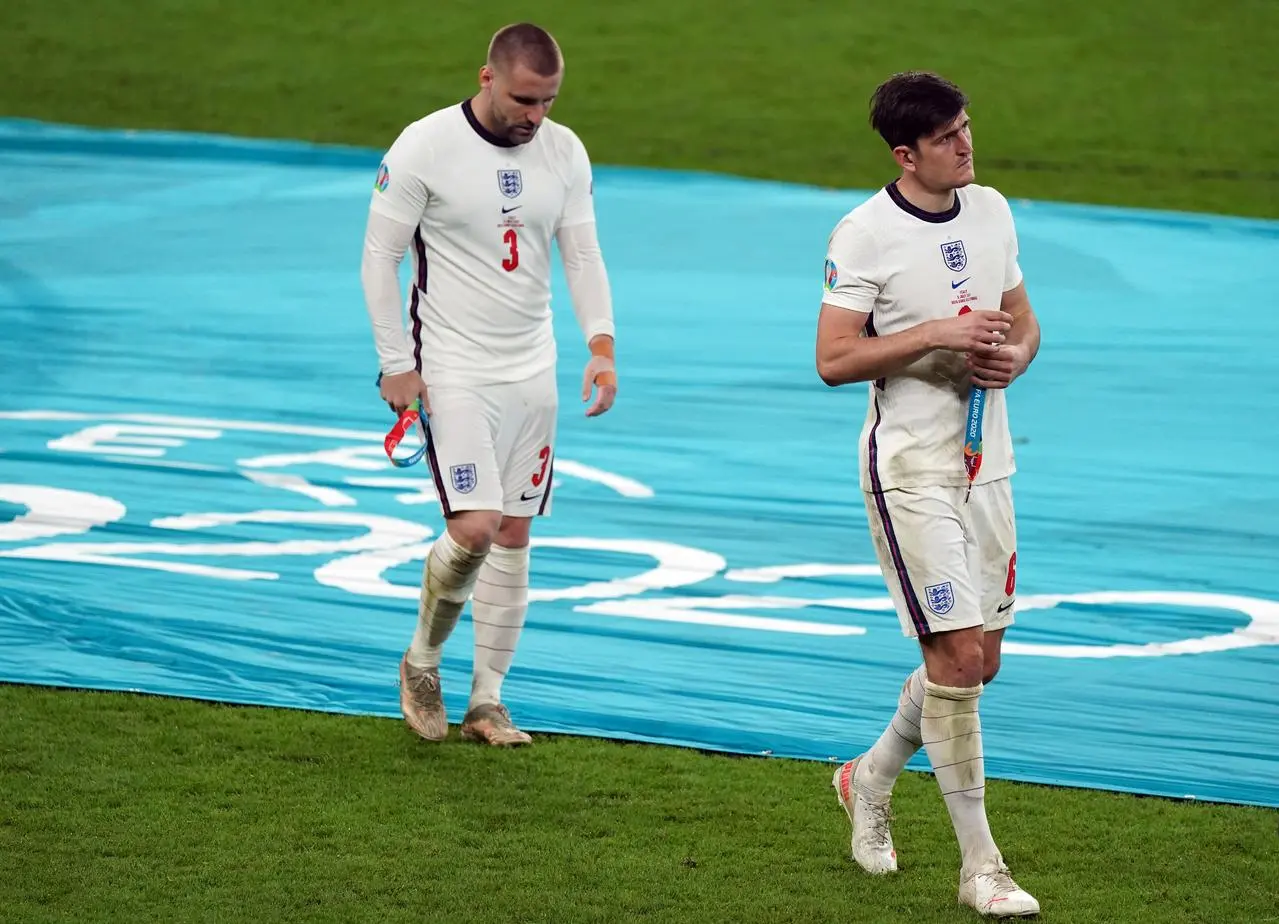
(992, 642)
(513, 533)
(990, 663)
(955, 659)
(475, 530)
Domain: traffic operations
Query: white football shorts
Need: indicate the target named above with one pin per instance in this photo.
(492, 447)
(948, 564)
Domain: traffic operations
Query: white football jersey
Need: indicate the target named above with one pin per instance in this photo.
(486, 211)
(904, 266)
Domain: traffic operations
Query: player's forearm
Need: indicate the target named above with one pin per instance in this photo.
(379, 276)
(382, 299)
(587, 280)
(592, 301)
(1025, 333)
(864, 359)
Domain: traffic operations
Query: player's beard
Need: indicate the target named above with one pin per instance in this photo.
(521, 132)
(507, 130)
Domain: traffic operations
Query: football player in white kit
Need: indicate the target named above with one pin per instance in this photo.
(476, 193)
(900, 269)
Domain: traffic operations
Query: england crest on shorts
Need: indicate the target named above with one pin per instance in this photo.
(463, 478)
(941, 598)
(953, 253)
(510, 182)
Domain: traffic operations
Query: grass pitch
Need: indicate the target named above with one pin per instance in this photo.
(124, 808)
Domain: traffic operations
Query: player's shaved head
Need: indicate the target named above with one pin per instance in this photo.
(519, 82)
(526, 44)
(914, 105)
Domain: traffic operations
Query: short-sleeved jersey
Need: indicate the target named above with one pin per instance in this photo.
(486, 212)
(904, 266)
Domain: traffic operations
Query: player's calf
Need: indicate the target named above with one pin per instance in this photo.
(865, 784)
(894, 748)
(448, 578)
(952, 737)
(498, 611)
(447, 581)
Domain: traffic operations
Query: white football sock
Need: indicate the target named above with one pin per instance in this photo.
(447, 579)
(498, 611)
(889, 755)
(952, 737)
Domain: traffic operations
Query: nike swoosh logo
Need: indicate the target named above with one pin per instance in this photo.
(1006, 606)
(953, 285)
(506, 211)
(525, 496)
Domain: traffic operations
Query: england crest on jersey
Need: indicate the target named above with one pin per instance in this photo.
(953, 253)
(941, 598)
(510, 182)
(463, 478)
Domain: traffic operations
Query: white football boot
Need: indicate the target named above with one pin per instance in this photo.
(869, 813)
(994, 894)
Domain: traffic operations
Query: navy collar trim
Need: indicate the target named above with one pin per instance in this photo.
(910, 208)
(469, 111)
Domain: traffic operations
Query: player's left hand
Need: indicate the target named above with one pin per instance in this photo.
(600, 374)
(997, 366)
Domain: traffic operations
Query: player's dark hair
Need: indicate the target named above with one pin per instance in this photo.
(529, 45)
(912, 105)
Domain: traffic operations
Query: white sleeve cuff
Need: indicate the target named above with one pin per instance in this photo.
(385, 242)
(587, 279)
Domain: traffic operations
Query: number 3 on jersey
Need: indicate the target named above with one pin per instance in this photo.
(512, 242)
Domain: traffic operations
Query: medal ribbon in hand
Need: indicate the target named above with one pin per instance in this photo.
(972, 430)
(972, 436)
(412, 414)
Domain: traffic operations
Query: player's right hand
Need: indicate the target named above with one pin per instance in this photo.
(973, 331)
(399, 391)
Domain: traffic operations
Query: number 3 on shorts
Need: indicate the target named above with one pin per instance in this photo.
(513, 244)
(545, 457)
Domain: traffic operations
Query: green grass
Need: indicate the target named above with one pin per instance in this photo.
(1161, 103)
(125, 808)
(118, 808)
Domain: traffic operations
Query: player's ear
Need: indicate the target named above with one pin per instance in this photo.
(486, 77)
(905, 157)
